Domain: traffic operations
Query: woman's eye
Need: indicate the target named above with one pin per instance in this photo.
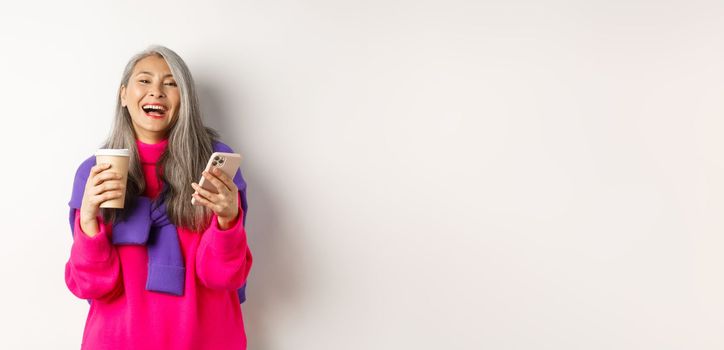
(143, 81)
(171, 83)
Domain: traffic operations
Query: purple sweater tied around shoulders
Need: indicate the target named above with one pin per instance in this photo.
(145, 222)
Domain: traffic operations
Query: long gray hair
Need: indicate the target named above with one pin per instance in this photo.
(189, 147)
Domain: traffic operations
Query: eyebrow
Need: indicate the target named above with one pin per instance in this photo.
(144, 72)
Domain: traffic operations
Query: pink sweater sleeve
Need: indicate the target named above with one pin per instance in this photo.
(223, 259)
(93, 269)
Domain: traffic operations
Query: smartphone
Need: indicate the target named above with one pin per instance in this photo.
(227, 162)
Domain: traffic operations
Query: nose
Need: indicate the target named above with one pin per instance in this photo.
(156, 91)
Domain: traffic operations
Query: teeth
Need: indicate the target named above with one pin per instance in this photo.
(154, 107)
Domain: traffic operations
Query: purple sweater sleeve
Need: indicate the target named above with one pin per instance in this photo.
(223, 258)
(93, 269)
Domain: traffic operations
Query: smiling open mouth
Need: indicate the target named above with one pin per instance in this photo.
(154, 111)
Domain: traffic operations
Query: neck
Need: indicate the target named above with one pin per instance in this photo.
(146, 141)
(151, 139)
(150, 153)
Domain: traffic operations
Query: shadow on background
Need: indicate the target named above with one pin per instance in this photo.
(273, 280)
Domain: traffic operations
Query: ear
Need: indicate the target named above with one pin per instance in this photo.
(123, 95)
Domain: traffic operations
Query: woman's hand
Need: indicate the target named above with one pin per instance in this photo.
(101, 186)
(224, 203)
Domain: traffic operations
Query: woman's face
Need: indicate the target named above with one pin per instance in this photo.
(152, 99)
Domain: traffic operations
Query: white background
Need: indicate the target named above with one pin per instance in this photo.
(422, 174)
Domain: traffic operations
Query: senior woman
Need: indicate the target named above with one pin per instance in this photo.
(162, 273)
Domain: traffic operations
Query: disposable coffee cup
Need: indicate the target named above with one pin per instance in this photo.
(119, 159)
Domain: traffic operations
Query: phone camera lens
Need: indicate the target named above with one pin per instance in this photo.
(214, 163)
(216, 158)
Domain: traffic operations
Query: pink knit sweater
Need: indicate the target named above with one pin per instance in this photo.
(124, 315)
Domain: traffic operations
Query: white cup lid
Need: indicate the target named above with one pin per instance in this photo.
(123, 152)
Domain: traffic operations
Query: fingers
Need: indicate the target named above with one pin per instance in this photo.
(102, 185)
(98, 168)
(222, 205)
(107, 186)
(104, 176)
(104, 180)
(224, 178)
(205, 202)
(220, 186)
(219, 179)
(96, 200)
(205, 193)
